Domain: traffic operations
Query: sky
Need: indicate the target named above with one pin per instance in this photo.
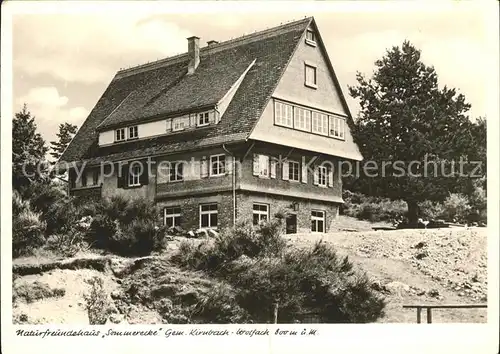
(62, 63)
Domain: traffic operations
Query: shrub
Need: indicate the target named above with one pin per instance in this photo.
(102, 229)
(96, 302)
(35, 291)
(456, 207)
(432, 210)
(27, 228)
(139, 238)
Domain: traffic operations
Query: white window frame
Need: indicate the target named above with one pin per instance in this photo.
(133, 129)
(337, 127)
(302, 119)
(291, 163)
(221, 169)
(178, 120)
(209, 212)
(312, 41)
(203, 119)
(120, 135)
(319, 123)
(264, 165)
(313, 84)
(172, 215)
(315, 219)
(260, 213)
(177, 177)
(134, 179)
(283, 114)
(323, 175)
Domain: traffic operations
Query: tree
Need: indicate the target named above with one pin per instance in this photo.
(66, 132)
(28, 151)
(406, 118)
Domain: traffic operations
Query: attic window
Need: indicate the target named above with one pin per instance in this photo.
(310, 75)
(120, 134)
(133, 132)
(203, 119)
(178, 124)
(311, 37)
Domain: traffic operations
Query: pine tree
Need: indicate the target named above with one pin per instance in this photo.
(406, 117)
(28, 151)
(66, 132)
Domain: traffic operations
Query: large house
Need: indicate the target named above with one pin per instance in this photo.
(227, 131)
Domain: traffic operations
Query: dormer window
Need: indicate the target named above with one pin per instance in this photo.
(203, 119)
(133, 132)
(311, 37)
(120, 134)
(178, 124)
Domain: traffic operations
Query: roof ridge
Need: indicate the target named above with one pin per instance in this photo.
(210, 49)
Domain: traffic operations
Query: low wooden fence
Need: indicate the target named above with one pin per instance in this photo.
(430, 307)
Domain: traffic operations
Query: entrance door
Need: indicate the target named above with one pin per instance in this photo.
(291, 224)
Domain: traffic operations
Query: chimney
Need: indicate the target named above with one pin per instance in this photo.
(209, 43)
(193, 53)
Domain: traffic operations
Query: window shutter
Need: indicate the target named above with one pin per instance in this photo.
(304, 172)
(211, 117)
(167, 169)
(229, 164)
(273, 167)
(255, 164)
(84, 179)
(316, 176)
(330, 177)
(122, 176)
(204, 167)
(192, 120)
(144, 177)
(285, 168)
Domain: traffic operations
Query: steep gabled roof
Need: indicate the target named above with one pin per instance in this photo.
(162, 87)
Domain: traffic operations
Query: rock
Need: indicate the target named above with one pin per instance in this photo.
(116, 319)
(396, 287)
(420, 245)
(118, 266)
(201, 233)
(433, 293)
(377, 286)
(116, 294)
(212, 233)
(420, 292)
(191, 234)
(422, 255)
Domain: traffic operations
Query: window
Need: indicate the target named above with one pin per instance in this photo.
(176, 172)
(208, 215)
(310, 37)
(283, 114)
(319, 123)
(203, 119)
(293, 171)
(95, 177)
(120, 134)
(133, 132)
(322, 176)
(310, 76)
(133, 176)
(178, 124)
(261, 165)
(172, 216)
(302, 119)
(260, 213)
(217, 165)
(317, 221)
(337, 126)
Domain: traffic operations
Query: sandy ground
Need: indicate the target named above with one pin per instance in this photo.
(420, 266)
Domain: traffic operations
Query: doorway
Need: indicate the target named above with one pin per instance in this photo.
(291, 224)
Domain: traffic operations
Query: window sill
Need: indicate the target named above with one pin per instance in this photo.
(130, 139)
(203, 125)
(176, 181)
(311, 43)
(134, 186)
(219, 175)
(313, 86)
(293, 181)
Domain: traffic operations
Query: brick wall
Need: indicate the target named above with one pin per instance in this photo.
(245, 203)
(190, 209)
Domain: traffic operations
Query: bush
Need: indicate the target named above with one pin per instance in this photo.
(456, 207)
(125, 227)
(241, 240)
(27, 227)
(96, 302)
(35, 291)
(262, 272)
(432, 210)
(373, 209)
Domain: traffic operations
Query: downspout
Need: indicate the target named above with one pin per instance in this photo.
(233, 177)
